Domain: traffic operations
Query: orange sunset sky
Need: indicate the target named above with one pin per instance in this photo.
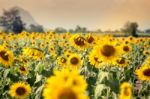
(93, 14)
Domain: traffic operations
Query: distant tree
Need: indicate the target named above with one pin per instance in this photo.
(60, 30)
(17, 25)
(147, 30)
(71, 31)
(36, 28)
(98, 31)
(11, 21)
(131, 28)
(80, 29)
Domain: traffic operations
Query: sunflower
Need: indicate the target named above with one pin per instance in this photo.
(23, 70)
(143, 72)
(94, 60)
(126, 91)
(6, 56)
(20, 90)
(74, 61)
(78, 41)
(62, 61)
(107, 51)
(131, 39)
(126, 48)
(67, 53)
(72, 86)
(146, 52)
(121, 62)
(90, 38)
(33, 53)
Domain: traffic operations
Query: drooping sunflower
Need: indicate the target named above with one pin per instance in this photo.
(78, 41)
(74, 61)
(143, 73)
(6, 56)
(20, 90)
(107, 51)
(90, 39)
(33, 53)
(69, 88)
(125, 91)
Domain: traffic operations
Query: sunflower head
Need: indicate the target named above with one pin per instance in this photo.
(23, 70)
(6, 56)
(125, 91)
(74, 61)
(90, 39)
(62, 61)
(126, 48)
(121, 62)
(72, 85)
(79, 41)
(20, 90)
(107, 52)
(143, 73)
(146, 53)
(94, 60)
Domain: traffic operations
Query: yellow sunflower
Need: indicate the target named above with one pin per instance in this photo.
(121, 62)
(146, 52)
(126, 48)
(90, 39)
(6, 56)
(125, 91)
(94, 60)
(107, 51)
(131, 39)
(72, 86)
(143, 72)
(74, 61)
(33, 53)
(20, 90)
(78, 41)
(23, 70)
(62, 61)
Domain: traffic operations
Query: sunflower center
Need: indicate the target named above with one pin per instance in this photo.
(126, 92)
(80, 41)
(22, 68)
(126, 48)
(146, 53)
(3, 55)
(20, 91)
(147, 72)
(90, 39)
(95, 58)
(63, 60)
(74, 60)
(108, 50)
(67, 94)
(122, 61)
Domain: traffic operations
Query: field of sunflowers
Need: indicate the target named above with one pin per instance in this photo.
(73, 66)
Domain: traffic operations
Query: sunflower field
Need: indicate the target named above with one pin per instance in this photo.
(73, 66)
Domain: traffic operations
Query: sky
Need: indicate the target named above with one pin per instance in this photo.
(93, 14)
